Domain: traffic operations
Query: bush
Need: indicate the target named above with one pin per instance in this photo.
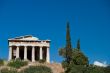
(1, 62)
(95, 69)
(37, 69)
(42, 61)
(5, 70)
(17, 63)
(76, 69)
(78, 58)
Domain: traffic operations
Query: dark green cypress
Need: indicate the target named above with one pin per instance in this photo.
(78, 44)
(68, 44)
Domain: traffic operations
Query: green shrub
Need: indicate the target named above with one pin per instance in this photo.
(17, 63)
(37, 69)
(1, 62)
(42, 61)
(5, 70)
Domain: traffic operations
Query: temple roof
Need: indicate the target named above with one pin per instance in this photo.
(27, 38)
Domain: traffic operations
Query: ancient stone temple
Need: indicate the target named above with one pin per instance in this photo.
(29, 48)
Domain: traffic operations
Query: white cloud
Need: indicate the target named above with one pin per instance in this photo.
(97, 63)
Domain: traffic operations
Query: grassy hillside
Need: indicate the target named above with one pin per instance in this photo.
(19, 66)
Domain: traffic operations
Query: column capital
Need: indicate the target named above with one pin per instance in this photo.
(25, 46)
(33, 46)
(40, 46)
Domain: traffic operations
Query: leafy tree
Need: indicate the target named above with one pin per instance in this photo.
(73, 58)
(78, 58)
(66, 52)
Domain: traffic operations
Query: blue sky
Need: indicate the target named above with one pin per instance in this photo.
(46, 19)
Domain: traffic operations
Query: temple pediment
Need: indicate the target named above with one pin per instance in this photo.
(27, 37)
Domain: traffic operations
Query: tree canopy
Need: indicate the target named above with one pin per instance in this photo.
(72, 56)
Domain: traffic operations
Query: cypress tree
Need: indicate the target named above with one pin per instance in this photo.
(78, 44)
(68, 44)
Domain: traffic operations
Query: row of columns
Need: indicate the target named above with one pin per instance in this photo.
(33, 53)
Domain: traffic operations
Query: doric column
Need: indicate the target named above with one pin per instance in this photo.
(10, 53)
(48, 55)
(25, 53)
(17, 52)
(41, 57)
(33, 54)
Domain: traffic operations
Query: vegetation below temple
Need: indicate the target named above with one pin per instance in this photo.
(31, 69)
(17, 63)
(20, 66)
